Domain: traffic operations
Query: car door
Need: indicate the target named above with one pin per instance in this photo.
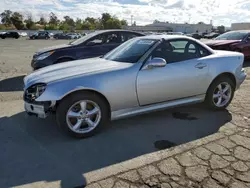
(111, 41)
(185, 75)
(244, 46)
(90, 48)
(8, 34)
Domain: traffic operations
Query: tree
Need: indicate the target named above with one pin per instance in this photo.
(6, 17)
(42, 21)
(78, 24)
(86, 25)
(221, 29)
(134, 24)
(113, 23)
(201, 23)
(30, 24)
(69, 21)
(17, 20)
(51, 27)
(124, 23)
(156, 21)
(64, 26)
(53, 20)
(105, 18)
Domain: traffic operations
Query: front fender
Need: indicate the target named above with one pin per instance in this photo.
(57, 90)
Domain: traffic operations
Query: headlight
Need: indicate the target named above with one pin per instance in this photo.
(35, 91)
(44, 55)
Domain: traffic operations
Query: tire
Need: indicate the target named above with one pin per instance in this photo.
(62, 60)
(213, 101)
(65, 107)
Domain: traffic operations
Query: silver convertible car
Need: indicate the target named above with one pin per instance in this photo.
(143, 74)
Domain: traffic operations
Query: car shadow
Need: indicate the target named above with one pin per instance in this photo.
(12, 84)
(35, 150)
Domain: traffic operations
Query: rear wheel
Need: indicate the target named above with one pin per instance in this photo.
(220, 93)
(82, 114)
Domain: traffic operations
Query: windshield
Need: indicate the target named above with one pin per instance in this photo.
(83, 39)
(239, 35)
(130, 51)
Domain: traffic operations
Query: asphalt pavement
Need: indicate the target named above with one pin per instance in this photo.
(34, 151)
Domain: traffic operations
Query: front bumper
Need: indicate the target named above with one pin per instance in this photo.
(41, 109)
(33, 109)
(240, 78)
(35, 64)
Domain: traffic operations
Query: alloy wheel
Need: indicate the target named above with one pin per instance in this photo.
(222, 94)
(83, 116)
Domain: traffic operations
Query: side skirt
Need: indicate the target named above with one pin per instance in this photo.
(119, 114)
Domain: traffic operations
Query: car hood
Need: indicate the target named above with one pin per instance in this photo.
(220, 42)
(52, 48)
(73, 69)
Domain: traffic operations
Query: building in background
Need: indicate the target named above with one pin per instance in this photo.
(173, 27)
(240, 26)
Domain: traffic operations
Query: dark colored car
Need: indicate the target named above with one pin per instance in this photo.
(40, 35)
(10, 34)
(61, 36)
(195, 35)
(68, 36)
(238, 41)
(94, 44)
(211, 35)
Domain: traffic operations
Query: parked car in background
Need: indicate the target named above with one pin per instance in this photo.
(175, 33)
(40, 35)
(143, 74)
(60, 36)
(68, 36)
(92, 45)
(211, 35)
(23, 34)
(195, 35)
(51, 35)
(238, 41)
(73, 36)
(10, 34)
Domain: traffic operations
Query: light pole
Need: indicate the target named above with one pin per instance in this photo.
(132, 20)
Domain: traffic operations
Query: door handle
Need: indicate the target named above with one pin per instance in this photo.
(200, 65)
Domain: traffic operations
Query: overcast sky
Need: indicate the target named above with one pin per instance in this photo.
(222, 12)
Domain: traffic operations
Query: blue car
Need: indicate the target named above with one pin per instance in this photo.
(95, 44)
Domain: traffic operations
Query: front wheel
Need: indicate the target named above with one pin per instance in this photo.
(82, 114)
(220, 93)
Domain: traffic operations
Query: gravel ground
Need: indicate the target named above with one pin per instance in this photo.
(34, 150)
(15, 59)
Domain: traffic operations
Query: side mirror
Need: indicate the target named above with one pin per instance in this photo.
(155, 62)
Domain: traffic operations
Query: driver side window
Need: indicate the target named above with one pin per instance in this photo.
(97, 40)
(109, 38)
(179, 50)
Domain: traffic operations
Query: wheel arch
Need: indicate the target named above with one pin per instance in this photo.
(224, 74)
(92, 91)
